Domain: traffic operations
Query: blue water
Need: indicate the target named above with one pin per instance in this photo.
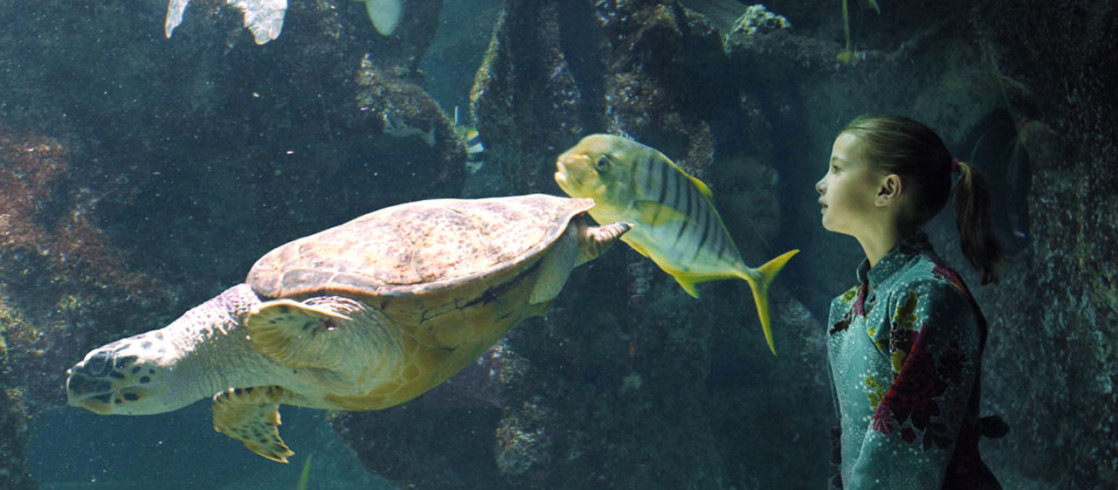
(73, 448)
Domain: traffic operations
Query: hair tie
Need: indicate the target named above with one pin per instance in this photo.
(954, 165)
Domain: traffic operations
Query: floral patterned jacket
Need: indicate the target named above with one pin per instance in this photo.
(905, 352)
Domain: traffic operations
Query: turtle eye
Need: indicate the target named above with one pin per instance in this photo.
(603, 163)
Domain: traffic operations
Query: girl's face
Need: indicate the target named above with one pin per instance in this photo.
(848, 190)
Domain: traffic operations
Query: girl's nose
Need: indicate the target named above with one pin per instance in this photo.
(819, 187)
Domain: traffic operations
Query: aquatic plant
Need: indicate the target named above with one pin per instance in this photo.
(847, 55)
(305, 476)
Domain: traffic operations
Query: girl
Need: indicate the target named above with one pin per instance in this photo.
(905, 345)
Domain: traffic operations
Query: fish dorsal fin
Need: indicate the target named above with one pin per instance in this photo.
(654, 213)
(703, 188)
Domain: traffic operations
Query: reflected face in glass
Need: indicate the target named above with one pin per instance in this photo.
(847, 191)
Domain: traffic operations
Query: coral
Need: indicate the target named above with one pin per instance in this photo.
(522, 439)
(758, 20)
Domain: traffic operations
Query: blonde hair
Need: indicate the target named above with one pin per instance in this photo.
(899, 145)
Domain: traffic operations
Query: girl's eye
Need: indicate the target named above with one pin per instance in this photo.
(603, 163)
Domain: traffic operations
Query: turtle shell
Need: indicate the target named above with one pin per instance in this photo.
(449, 276)
(417, 246)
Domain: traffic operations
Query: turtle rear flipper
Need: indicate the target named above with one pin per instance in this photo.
(251, 415)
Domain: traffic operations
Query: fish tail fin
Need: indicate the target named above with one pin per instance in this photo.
(759, 282)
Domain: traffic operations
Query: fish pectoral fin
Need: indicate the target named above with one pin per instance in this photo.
(653, 213)
(635, 246)
(687, 281)
(251, 415)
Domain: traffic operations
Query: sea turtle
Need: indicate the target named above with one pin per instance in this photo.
(363, 316)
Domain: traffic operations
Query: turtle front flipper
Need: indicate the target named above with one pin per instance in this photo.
(595, 240)
(332, 333)
(555, 267)
(251, 415)
(291, 333)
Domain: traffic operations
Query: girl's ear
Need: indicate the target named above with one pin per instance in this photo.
(889, 192)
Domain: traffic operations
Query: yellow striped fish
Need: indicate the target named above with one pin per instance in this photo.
(674, 220)
(475, 151)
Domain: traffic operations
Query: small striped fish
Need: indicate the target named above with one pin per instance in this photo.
(475, 151)
(674, 220)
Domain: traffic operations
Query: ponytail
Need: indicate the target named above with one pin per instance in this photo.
(972, 214)
(902, 146)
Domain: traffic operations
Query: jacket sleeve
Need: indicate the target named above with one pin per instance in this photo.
(933, 347)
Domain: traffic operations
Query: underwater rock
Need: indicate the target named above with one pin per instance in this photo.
(410, 130)
(63, 282)
(1053, 357)
(14, 434)
(264, 18)
(197, 150)
(584, 397)
(523, 442)
(1049, 368)
(425, 448)
(556, 71)
(385, 14)
(445, 438)
(406, 47)
(207, 127)
(764, 53)
(527, 102)
(305, 115)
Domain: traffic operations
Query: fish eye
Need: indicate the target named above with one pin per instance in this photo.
(603, 162)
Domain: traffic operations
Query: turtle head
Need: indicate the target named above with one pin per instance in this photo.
(130, 376)
(166, 369)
